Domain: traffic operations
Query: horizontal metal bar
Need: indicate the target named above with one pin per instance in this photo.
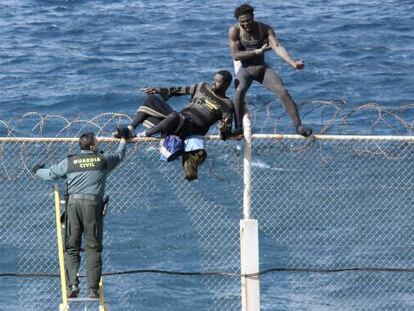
(216, 137)
(334, 137)
(83, 299)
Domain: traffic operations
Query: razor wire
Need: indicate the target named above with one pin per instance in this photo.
(322, 205)
(325, 116)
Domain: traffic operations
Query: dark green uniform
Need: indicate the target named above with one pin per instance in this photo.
(86, 175)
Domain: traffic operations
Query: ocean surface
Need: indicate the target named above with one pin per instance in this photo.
(78, 59)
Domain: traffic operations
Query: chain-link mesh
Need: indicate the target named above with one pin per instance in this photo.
(332, 205)
(156, 220)
(326, 205)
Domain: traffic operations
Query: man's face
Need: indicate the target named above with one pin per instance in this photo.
(219, 83)
(246, 22)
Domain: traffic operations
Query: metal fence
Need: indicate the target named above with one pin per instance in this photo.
(151, 204)
(334, 213)
(337, 217)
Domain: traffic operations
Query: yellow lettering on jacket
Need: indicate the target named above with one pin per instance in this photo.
(211, 105)
(86, 165)
(87, 160)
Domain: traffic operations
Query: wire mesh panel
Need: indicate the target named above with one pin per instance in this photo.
(338, 215)
(334, 214)
(156, 221)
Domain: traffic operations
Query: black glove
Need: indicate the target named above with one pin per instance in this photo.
(37, 167)
(124, 132)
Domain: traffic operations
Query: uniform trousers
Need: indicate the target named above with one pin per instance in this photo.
(84, 218)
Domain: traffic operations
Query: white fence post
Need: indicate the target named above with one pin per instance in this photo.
(249, 233)
(247, 166)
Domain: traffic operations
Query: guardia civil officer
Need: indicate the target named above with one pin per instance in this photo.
(86, 174)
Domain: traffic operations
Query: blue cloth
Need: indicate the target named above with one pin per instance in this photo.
(171, 148)
(194, 142)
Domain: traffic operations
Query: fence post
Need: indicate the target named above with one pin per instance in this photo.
(249, 236)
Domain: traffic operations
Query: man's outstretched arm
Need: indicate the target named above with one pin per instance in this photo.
(54, 172)
(166, 93)
(281, 51)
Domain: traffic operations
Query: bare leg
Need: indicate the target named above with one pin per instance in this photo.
(274, 84)
(243, 82)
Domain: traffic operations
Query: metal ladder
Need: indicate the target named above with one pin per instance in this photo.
(64, 305)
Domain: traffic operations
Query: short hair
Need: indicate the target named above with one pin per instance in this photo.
(86, 140)
(245, 8)
(226, 74)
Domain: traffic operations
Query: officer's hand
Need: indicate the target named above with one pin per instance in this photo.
(37, 167)
(150, 90)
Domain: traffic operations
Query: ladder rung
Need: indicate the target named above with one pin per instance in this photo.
(82, 299)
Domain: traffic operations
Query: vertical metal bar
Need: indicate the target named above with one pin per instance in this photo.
(249, 253)
(249, 232)
(247, 163)
(102, 303)
(64, 305)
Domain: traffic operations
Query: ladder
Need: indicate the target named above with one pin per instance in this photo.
(64, 305)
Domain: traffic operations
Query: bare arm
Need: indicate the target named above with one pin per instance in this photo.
(281, 51)
(234, 44)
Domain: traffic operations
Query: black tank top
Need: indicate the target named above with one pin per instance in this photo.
(250, 45)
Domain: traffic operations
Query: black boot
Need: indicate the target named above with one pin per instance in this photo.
(93, 293)
(73, 291)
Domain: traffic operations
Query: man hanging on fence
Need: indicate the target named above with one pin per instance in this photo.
(86, 175)
(208, 105)
(248, 41)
